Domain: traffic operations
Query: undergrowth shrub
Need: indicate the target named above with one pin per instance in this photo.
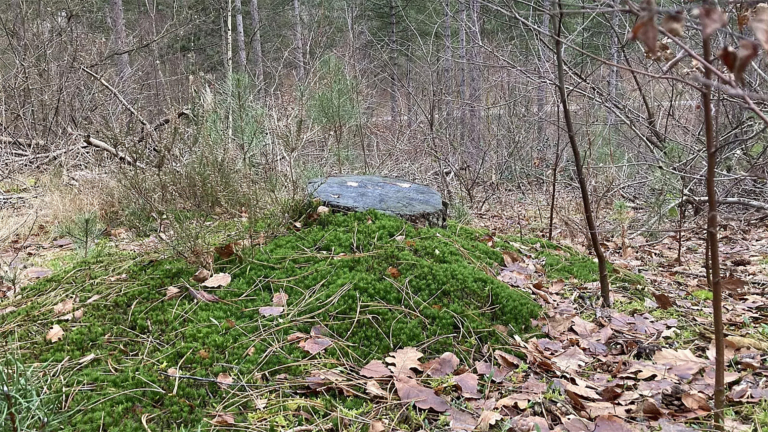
(28, 397)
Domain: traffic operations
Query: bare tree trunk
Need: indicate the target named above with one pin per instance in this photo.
(298, 39)
(229, 71)
(474, 86)
(447, 82)
(256, 45)
(613, 74)
(240, 35)
(393, 105)
(118, 37)
(712, 240)
(463, 61)
(605, 289)
(541, 91)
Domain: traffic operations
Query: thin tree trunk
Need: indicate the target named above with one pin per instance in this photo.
(256, 46)
(541, 91)
(463, 75)
(229, 71)
(613, 74)
(240, 35)
(605, 289)
(119, 38)
(393, 105)
(447, 82)
(712, 240)
(298, 39)
(474, 87)
(554, 178)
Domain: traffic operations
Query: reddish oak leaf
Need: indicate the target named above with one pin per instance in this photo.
(404, 360)
(375, 369)
(645, 29)
(441, 366)
(467, 382)
(411, 391)
(712, 19)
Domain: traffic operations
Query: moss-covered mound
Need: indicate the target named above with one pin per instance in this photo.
(374, 282)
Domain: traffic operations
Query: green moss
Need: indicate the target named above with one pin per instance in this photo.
(443, 300)
(702, 294)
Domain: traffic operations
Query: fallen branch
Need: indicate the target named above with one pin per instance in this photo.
(734, 201)
(93, 142)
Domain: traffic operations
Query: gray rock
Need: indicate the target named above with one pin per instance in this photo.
(411, 201)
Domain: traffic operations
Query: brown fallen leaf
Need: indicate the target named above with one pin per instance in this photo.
(223, 419)
(487, 418)
(218, 280)
(611, 423)
(696, 401)
(203, 296)
(54, 334)
(404, 360)
(314, 345)
(742, 342)
(373, 389)
(226, 251)
(393, 272)
(516, 400)
(571, 360)
(271, 310)
(441, 366)
(467, 382)
(461, 420)
(409, 390)
(375, 369)
(74, 316)
(37, 272)
(172, 292)
(223, 380)
(201, 276)
(645, 29)
(64, 307)
(280, 299)
(663, 301)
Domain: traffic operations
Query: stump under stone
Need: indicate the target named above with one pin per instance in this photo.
(413, 202)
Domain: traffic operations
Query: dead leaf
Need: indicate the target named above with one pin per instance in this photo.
(663, 301)
(461, 421)
(610, 423)
(314, 345)
(674, 23)
(759, 24)
(223, 419)
(225, 252)
(516, 400)
(201, 276)
(323, 210)
(712, 19)
(487, 418)
(696, 401)
(411, 391)
(373, 389)
(224, 379)
(583, 328)
(404, 360)
(393, 272)
(64, 307)
(270, 310)
(280, 299)
(218, 280)
(741, 342)
(74, 316)
(467, 382)
(645, 29)
(172, 292)
(173, 372)
(375, 369)
(203, 296)
(737, 63)
(571, 360)
(54, 334)
(442, 366)
(37, 272)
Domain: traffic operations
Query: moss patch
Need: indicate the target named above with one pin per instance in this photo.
(335, 274)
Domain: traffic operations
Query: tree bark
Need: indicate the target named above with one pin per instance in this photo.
(118, 38)
(393, 105)
(447, 82)
(605, 289)
(298, 42)
(474, 86)
(240, 35)
(712, 240)
(256, 46)
(463, 62)
(541, 91)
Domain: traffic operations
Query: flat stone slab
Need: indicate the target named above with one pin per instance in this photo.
(402, 198)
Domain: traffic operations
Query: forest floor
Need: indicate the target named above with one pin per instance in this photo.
(131, 324)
